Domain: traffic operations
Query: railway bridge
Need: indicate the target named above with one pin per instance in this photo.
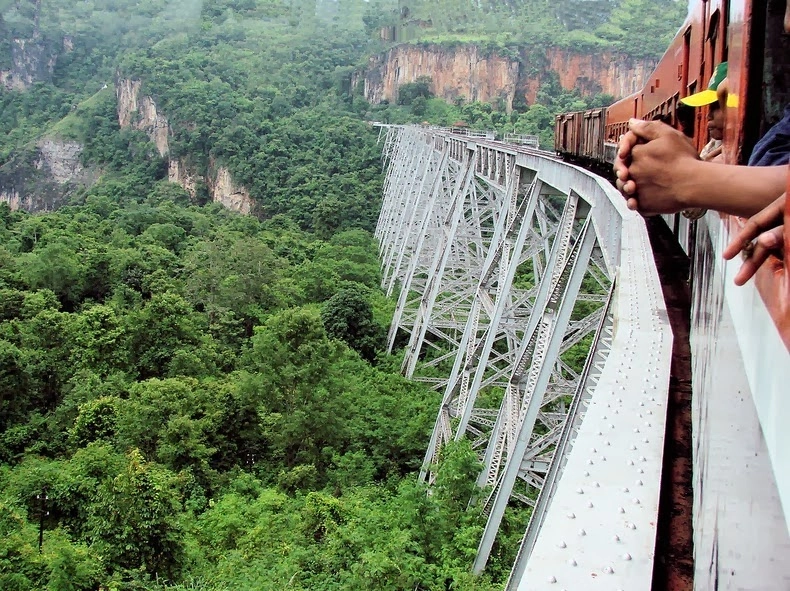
(528, 294)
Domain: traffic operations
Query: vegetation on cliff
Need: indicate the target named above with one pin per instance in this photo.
(190, 398)
(636, 28)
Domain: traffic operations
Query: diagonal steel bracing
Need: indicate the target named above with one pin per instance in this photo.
(489, 260)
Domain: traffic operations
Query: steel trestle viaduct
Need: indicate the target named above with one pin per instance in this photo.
(506, 263)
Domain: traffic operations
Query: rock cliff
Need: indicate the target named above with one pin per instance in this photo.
(140, 112)
(33, 61)
(475, 74)
(41, 179)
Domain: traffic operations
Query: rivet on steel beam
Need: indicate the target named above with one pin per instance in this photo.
(552, 579)
(562, 545)
(642, 459)
(572, 562)
(582, 532)
(636, 501)
(625, 490)
(571, 515)
(639, 483)
(631, 526)
(621, 510)
(580, 490)
(626, 556)
(590, 505)
(608, 570)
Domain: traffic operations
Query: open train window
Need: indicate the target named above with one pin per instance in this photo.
(713, 35)
(768, 89)
(683, 75)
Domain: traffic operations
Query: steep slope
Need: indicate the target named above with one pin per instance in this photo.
(476, 74)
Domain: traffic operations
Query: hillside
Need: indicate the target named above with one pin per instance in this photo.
(193, 394)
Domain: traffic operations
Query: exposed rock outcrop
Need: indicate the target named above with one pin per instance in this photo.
(478, 75)
(223, 190)
(43, 178)
(33, 61)
(140, 112)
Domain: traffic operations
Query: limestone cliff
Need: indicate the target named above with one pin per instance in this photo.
(140, 112)
(33, 60)
(41, 179)
(223, 190)
(475, 74)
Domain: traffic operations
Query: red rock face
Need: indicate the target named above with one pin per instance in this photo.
(474, 74)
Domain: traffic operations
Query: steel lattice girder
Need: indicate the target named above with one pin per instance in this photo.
(512, 338)
(482, 217)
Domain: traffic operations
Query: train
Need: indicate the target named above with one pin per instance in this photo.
(739, 336)
(748, 34)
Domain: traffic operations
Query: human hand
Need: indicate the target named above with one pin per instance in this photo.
(713, 154)
(760, 237)
(621, 162)
(661, 162)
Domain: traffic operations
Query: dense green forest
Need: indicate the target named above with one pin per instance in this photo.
(195, 399)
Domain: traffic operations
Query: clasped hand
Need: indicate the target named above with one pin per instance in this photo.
(652, 167)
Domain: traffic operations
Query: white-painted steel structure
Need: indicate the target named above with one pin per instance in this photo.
(505, 261)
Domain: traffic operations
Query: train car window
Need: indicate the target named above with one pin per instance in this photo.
(768, 88)
(713, 35)
(684, 69)
(725, 46)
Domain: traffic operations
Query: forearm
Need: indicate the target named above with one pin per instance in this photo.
(736, 190)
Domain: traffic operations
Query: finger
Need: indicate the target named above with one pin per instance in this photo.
(751, 264)
(632, 204)
(762, 221)
(629, 188)
(648, 130)
(626, 144)
(773, 239)
(620, 169)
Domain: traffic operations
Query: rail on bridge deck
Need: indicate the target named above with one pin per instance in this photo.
(509, 265)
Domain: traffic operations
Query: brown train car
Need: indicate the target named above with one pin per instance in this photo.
(749, 36)
(746, 34)
(581, 135)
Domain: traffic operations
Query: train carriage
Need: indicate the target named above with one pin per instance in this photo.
(740, 339)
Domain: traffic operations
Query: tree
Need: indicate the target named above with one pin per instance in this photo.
(348, 316)
(133, 521)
